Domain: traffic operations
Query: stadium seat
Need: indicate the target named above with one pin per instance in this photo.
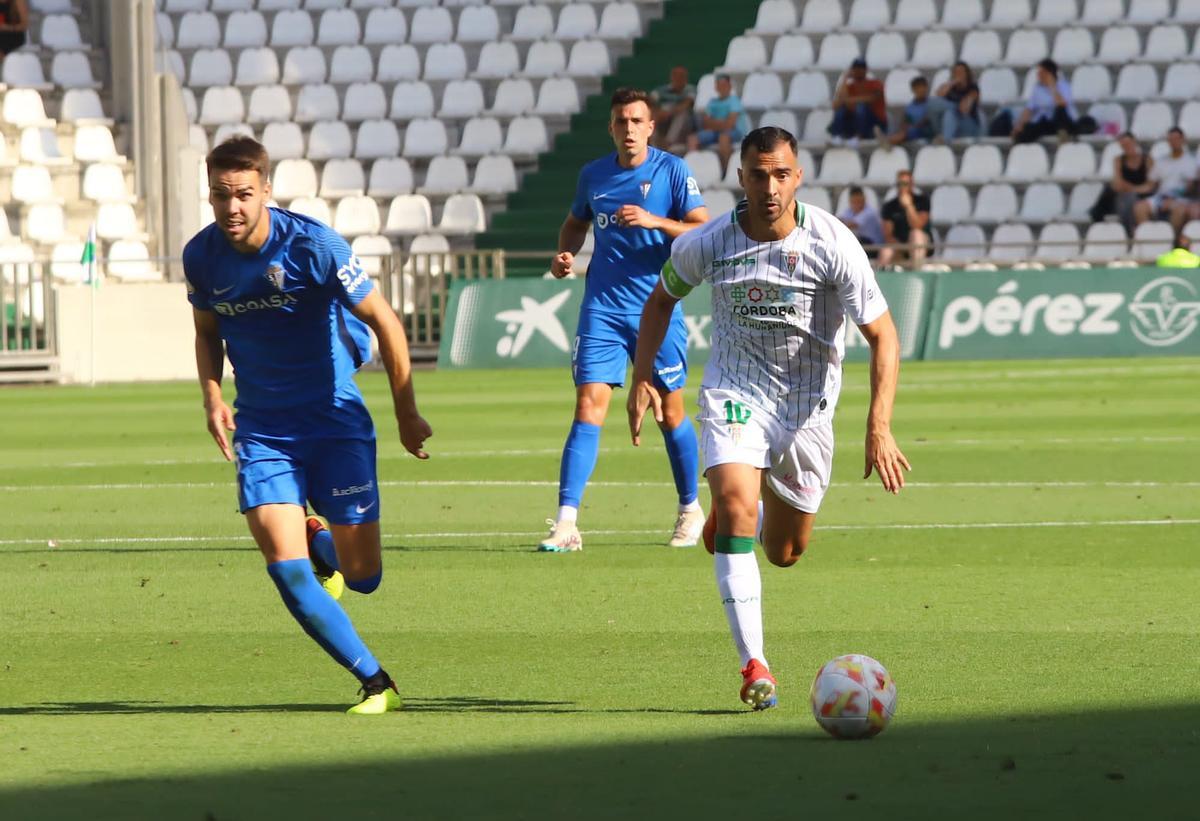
(94, 143)
(816, 125)
(245, 29)
(425, 137)
(445, 175)
(1152, 239)
(342, 178)
(304, 65)
(808, 89)
(884, 164)
(81, 105)
(949, 204)
(322, 5)
(886, 49)
(24, 69)
(462, 214)
(178, 6)
(317, 102)
(116, 220)
(526, 137)
(620, 21)
(314, 207)
(1181, 81)
(840, 166)
(355, 216)
(1119, 45)
(427, 255)
(377, 139)
(821, 17)
(720, 201)
(1074, 161)
(998, 86)
(497, 60)
(1055, 13)
(222, 104)
(576, 21)
(128, 260)
(105, 182)
(705, 167)
(532, 22)
(762, 90)
(1073, 46)
(478, 24)
(1148, 11)
(1151, 120)
(981, 163)
(283, 141)
(255, 66)
(71, 69)
(545, 58)
(338, 27)
(933, 49)
(198, 29)
(409, 214)
(1166, 44)
(981, 47)
(1189, 117)
(775, 16)
(792, 52)
(1011, 241)
(1026, 163)
(837, 51)
(706, 90)
(1010, 14)
(364, 101)
(480, 136)
(1026, 47)
(812, 195)
(557, 97)
(964, 242)
(278, 5)
(292, 28)
(385, 25)
(226, 131)
(461, 99)
(1090, 83)
(868, 15)
(1105, 241)
(995, 202)
(896, 86)
(1109, 117)
(39, 144)
(1043, 201)
(371, 250)
(961, 15)
(934, 164)
(210, 67)
(780, 118)
(1103, 12)
(189, 104)
(746, 53)
(431, 24)
(514, 97)
(329, 140)
(224, 5)
(1058, 241)
(390, 177)
(445, 61)
(1082, 197)
(44, 223)
(589, 58)
(1137, 82)
(1191, 230)
(843, 199)
(65, 265)
(294, 178)
(915, 15)
(351, 64)
(411, 100)
(269, 104)
(494, 175)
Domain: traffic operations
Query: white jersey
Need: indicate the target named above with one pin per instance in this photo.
(779, 309)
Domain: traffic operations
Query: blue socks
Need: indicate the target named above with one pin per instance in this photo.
(684, 453)
(321, 617)
(322, 545)
(578, 462)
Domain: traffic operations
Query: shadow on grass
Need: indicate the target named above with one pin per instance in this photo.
(1099, 765)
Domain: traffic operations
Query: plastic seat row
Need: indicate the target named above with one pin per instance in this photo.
(407, 214)
(1057, 241)
(68, 69)
(25, 107)
(294, 178)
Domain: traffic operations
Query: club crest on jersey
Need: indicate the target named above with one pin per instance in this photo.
(645, 186)
(275, 276)
(792, 258)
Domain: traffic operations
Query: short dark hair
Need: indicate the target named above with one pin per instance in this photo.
(766, 138)
(240, 153)
(721, 77)
(1049, 65)
(856, 190)
(627, 95)
(1175, 130)
(917, 81)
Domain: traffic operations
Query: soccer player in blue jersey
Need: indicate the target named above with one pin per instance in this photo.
(637, 200)
(285, 298)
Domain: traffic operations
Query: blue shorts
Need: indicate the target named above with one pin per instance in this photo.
(337, 475)
(605, 344)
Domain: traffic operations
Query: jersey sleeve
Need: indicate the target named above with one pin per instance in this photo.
(334, 268)
(197, 293)
(581, 208)
(684, 270)
(852, 276)
(685, 191)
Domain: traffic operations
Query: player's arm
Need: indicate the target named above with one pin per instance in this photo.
(656, 318)
(374, 310)
(882, 454)
(637, 217)
(210, 365)
(570, 239)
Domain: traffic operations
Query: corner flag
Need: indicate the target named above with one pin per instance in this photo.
(88, 261)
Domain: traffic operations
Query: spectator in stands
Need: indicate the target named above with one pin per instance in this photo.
(1049, 109)
(904, 219)
(918, 122)
(863, 220)
(723, 122)
(674, 119)
(1175, 174)
(955, 105)
(1180, 256)
(14, 23)
(1131, 183)
(859, 107)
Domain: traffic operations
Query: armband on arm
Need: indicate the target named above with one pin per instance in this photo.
(673, 283)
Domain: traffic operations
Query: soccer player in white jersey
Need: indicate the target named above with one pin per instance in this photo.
(785, 276)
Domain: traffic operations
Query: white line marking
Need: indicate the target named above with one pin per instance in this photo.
(525, 533)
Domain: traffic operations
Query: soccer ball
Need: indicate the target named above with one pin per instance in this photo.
(853, 696)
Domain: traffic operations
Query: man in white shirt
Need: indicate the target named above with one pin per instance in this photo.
(863, 220)
(1175, 173)
(785, 276)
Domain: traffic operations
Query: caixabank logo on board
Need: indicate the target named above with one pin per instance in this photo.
(1164, 312)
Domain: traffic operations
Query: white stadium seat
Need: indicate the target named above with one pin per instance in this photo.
(371, 250)
(1083, 196)
(377, 139)
(532, 22)
(816, 125)
(1026, 47)
(1074, 161)
(129, 261)
(411, 100)
(24, 69)
(355, 216)
(949, 204)
(105, 182)
(283, 140)
(81, 104)
(964, 242)
(1166, 44)
(257, 66)
(546, 58)
(1110, 117)
(933, 49)
(840, 166)
(461, 99)
(1152, 239)
(981, 163)
(808, 89)
(480, 136)
(445, 61)
(351, 64)
(576, 21)
(1043, 201)
(1189, 117)
(445, 175)
(497, 60)
(792, 52)
(342, 178)
(621, 21)
(116, 220)
(762, 90)
(224, 5)
(94, 143)
(245, 29)
(1026, 163)
(897, 84)
(1090, 83)
(293, 179)
(269, 104)
(1148, 11)
(494, 175)
(1103, 12)
(837, 51)
(1011, 14)
(65, 265)
(1058, 241)
(869, 15)
(982, 47)
(589, 58)
(390, 177)
(409, 214)
(821, 17)
(292, 28)
(45, 223)
(1181, 81)
(210, 67)
(781, 118)
(1073, 46)
(478, 24)
(514, 97)
(1119, 45)
(934, 164)
(1055, 13)
(462, 214)
(557, 96)
(1137, 82)
(317, 102)
(1011, 241)
(884, 164)
(304, 64)
(1105, 241)
(995, 202)
(397, 63)
(431, 24)
(961, 15)
(915, 15)
(314, 207)
(886, 49)
(72, 69)
(745, 53)
(338, 27)
(364, 101)
(226, 131)
(425, 137)
(775, 16)
(705, 167)
(526, 137)
(998, 85)
(198, 29)
(385, 25)
(222, 104)
(329, 140)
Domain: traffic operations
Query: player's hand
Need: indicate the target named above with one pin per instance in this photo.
(885, 458)
(414, 430)
(563, 265)
(641, 397)
(220, 419)
(633, 216)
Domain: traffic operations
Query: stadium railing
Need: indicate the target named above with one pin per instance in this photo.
(27, 337)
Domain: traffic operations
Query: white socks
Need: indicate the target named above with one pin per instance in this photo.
(740, 586)
(567, 513)
(690, 506)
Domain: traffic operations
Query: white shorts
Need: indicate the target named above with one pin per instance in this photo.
(798, 462)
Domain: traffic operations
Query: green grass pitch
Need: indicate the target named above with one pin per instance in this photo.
(1035, 592)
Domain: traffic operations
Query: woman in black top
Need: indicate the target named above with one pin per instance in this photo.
(954, 108)
(1131, 178)
(14, 22)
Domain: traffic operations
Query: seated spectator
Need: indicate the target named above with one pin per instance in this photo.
(1049, 109)
(904, 219)
(14, 23)
(1131, 183)
(1175, 198)
(917, 124)
(863, 220)
(723, 122)
(859, 107)
(673, 116)
(954, 108)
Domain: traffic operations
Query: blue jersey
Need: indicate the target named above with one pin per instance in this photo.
(284, 313)
(626, 261)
